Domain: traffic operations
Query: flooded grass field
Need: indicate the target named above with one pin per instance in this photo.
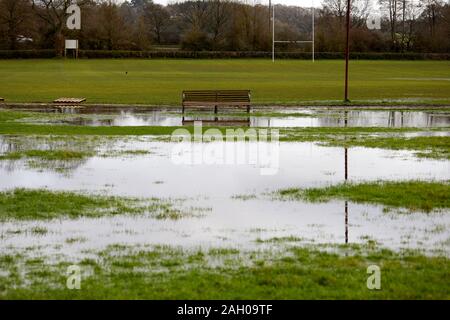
(264, 117)
(340, 189)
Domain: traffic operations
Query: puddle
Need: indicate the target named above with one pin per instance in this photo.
(239, 224)
(231, 222)
(293, 117)
(300, 165)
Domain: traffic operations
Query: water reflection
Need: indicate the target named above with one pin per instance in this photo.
(231, 222)
(397, 119)
(302, 164)
(15, 145)
(346, 177)
(295, 117)
(217, 121)
(346, 203)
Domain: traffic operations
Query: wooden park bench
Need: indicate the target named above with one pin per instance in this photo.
(69, 100)
(217, 98)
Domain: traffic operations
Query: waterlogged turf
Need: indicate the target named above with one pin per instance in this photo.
(412, 195)
(122, 272)
(111, 201)
(45, 155)
(429, 146)
(41, 204)
(286, 82)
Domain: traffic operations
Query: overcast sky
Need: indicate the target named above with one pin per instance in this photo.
(302, 3)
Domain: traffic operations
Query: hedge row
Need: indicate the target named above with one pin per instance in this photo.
(26, 54)
(34, 54)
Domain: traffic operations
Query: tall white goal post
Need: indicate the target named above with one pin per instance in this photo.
(312, 41)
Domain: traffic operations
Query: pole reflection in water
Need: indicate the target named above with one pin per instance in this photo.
(346, 222)
(346, 178)
(346, 203)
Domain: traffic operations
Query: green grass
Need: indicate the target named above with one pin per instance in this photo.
(41, 204)
(32, 204)
(412, 195)
(426, 147)
(45, 155)
(279, 239)
(286, 82)
(435, 147)
(165, 273)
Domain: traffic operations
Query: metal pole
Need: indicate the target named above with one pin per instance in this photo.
(347, 50)
(273, 33)
(313, 31)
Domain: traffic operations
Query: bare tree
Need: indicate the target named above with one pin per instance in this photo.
(112, 27)
(409, 14)
(430, 11)
(338, 8)
(220, 15)
(53, 13)
(240, 25)
(158, 18)
(335, 7)
(391, 7)
(195, 13)
(13, 15)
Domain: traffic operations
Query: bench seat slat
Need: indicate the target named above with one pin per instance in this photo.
(205, 104)
(216, 98)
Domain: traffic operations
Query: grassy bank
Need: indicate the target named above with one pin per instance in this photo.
(287, 82)
(122, 272)
(412, 195)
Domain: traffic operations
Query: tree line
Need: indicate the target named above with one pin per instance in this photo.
(225, 25)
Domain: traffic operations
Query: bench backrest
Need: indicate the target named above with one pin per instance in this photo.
(216, 96)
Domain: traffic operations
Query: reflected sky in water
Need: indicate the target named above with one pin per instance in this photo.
(294, 117)
(231, 221)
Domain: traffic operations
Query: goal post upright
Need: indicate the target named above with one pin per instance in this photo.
(273, 33)
(312, 41)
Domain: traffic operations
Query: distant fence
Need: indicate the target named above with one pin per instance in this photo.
(117, 54)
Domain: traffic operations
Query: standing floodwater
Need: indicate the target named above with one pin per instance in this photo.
(265, 117)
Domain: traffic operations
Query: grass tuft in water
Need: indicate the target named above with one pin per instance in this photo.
(46, 155)
(45, 204)
(412, 195)
(33, 204)
(279, 239)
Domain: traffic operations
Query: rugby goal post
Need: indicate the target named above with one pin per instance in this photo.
(312, 41)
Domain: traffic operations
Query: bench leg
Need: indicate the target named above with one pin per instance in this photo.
(182, 109)
(215, 109)
(248, 109)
